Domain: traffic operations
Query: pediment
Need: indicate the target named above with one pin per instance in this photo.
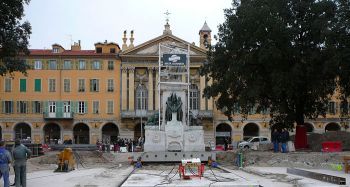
(169, 44)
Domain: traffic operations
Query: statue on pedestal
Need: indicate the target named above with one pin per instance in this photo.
(173, 105)
(153, 120)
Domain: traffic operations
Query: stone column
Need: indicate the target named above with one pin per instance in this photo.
(210, 101)
(156, 92)
(201, 98)
(124, 88)
(131, 88)
(150, 88)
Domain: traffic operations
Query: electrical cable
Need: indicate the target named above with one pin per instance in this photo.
(166, 176)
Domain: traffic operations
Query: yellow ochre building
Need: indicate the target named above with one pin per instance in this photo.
(90, 95)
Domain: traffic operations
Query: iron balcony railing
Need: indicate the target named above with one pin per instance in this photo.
(58, 115)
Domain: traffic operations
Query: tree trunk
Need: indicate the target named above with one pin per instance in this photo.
(300, 141)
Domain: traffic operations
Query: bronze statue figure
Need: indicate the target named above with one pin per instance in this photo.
(153, 120)
(173, 105)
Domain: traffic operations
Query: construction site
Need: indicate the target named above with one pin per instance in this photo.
(94, 168)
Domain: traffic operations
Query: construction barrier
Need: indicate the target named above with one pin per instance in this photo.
(334, 146)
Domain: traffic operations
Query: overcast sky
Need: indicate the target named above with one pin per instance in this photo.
(94, 21)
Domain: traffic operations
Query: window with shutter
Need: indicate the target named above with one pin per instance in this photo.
(110, 65)
(8, 85)
(110, 107)
(37, 85)
(23, 85)
(81, 87)
(95, 107)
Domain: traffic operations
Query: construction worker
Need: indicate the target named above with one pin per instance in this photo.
(5, 160)
(20, 155)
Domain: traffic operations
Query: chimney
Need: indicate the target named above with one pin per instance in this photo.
(131, 39)
(124, 46)
(76, 46)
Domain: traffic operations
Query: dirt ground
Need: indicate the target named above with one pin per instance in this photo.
(110, 169)
(88, 159)
(307, 160)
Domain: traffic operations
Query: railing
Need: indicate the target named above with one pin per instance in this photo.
(137, 113)
(147, 113)
(58, 115)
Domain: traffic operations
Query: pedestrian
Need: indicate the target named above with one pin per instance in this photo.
(5, 160)
(108, 146)
(285, 139)
(274, 137)
(20, 155)
(225, 144)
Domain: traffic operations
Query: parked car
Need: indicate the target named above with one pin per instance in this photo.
(249, 143)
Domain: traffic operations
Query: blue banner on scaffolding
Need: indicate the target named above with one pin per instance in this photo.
(174, 59)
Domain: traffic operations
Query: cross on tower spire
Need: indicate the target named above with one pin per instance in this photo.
(167, 26)
(167, 13)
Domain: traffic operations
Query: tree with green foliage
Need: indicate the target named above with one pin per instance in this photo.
(14, 36)
(278, 55)
(343, 39)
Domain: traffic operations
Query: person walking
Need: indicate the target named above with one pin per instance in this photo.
(225, 144)
(274, 137)
(20, 155)
(5, 160)
(285, 139)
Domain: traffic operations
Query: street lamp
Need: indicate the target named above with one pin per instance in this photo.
(141, 105)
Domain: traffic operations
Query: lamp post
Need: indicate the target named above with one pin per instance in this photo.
(141, 105)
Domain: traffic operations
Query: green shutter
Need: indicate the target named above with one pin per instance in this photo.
(74, 106)
(37, 85)
(33, 107)
(41, 107)
(12, 105)
(85, 107)
(23, 85)
(59, 109)
(28, 105)
(46, 107)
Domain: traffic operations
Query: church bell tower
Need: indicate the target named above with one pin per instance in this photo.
(204, 36)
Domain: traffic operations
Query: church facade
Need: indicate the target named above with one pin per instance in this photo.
(109, 92)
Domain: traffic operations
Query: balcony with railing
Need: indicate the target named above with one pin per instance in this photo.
(58, 115)
(146, 113)
(137, 113)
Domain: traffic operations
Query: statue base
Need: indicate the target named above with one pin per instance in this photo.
(167, 156)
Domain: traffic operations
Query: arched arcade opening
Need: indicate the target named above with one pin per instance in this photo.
(223, 131)
(52, 133)
(332, 127)
(23, 131)
(81, 133)
(309, 127)
(250, 130)
(110, 132)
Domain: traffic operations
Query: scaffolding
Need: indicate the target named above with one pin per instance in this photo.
(173, 69)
